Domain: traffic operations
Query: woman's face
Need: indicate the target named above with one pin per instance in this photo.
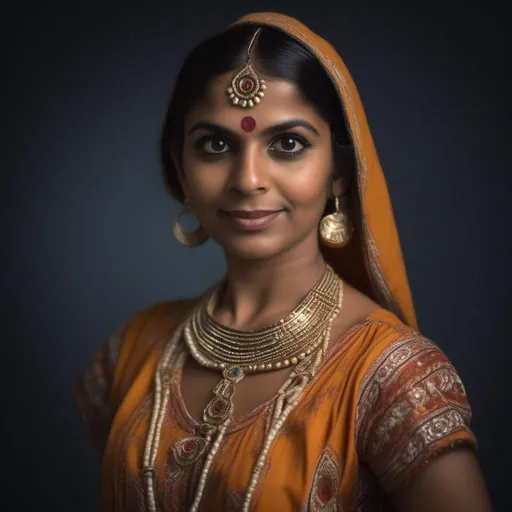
(260, 192)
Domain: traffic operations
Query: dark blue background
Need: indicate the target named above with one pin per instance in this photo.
(86, 224)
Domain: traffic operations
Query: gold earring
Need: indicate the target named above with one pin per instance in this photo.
(188, 238)
(336, 229)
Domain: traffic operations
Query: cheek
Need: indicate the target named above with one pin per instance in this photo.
(204, 182)
(309, 187)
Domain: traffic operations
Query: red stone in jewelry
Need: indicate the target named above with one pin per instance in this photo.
(248, 124)
(189, 446)
(246, 84)
(188, 450)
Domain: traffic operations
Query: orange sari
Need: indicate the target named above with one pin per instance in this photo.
(384, 401)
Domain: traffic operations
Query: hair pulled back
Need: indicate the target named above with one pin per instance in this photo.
(274, 55)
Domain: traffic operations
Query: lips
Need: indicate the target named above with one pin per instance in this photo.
(253, 214)
(253, 220)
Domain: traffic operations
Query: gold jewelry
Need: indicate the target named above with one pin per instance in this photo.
(188, 238)
(217, 419)
(336, 229)
(247, 87)
(280, 345)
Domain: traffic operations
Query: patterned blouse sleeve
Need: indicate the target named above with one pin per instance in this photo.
(412, 407)
(93, 388)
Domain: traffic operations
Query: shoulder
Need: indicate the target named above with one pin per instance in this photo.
(384, 334)
(411, 402)
(156, 319)
(161, 312)
(119, 358)
(397, 353)
(146, 331)
(400, 360)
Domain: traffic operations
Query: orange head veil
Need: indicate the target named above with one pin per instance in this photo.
(372, 262)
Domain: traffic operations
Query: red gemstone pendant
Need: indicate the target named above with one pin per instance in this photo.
(189, 446)
(188, 450)
(246, 84)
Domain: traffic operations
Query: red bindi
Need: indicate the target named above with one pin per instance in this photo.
(248, 124)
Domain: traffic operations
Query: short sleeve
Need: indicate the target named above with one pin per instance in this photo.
(412, 406)
(108, 377)
(92, 389)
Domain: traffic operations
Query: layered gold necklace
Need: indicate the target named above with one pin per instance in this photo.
(300, 340)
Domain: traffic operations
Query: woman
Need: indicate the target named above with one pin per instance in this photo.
(300, 381)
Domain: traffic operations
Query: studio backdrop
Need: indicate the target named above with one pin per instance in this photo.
(87, 224)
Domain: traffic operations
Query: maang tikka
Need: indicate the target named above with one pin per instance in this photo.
(247, 87)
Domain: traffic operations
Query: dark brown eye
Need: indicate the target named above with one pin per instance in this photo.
(289, 145)
(218, 145)
(215, 146)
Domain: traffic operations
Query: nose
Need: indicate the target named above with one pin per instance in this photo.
(249, 175)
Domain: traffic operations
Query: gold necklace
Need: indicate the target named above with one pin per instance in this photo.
(277, 346)
(218, 414)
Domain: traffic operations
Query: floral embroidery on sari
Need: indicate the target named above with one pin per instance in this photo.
(411, 399)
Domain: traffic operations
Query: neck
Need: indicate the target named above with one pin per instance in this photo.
(261, 292)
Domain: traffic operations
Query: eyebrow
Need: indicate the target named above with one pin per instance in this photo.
(271, 130)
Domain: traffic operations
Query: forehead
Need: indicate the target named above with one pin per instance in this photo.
(282, 101)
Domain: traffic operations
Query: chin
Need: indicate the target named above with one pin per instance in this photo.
(253, 247)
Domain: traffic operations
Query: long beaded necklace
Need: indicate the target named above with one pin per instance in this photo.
(299, 339)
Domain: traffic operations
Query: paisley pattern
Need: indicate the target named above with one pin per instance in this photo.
(405, 405)
(323, 496)
(410, 399)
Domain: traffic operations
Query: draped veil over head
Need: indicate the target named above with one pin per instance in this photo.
(373, 261)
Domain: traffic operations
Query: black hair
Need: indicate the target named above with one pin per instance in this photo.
(275, 55)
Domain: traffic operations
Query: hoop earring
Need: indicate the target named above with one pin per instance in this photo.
(336, 229)
(188, 238)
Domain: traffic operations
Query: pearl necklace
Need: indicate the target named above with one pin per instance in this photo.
(218, 414)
